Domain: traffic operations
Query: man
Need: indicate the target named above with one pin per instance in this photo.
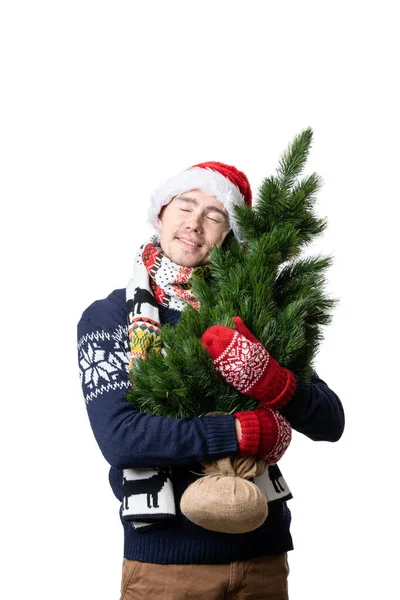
(173, 557)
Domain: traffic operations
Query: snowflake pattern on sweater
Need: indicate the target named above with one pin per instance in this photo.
(99, 369)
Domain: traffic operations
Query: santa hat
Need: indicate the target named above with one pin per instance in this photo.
(229, 185)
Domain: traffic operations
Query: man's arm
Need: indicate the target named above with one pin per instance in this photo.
(315, 410)
(240, 358)
(127, 437)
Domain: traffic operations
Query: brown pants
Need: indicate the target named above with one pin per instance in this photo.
(263, 578)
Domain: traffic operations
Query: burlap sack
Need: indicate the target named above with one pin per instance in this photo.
(224, 500)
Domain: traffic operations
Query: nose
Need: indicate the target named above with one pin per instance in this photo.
(195, 222)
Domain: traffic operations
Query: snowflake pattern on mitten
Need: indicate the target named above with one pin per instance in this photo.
(284, 437)
(242, 363)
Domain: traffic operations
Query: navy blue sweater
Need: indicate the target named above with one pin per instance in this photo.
(129, 438)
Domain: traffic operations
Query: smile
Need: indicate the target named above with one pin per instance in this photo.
(189, 243)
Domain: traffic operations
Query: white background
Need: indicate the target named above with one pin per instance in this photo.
(102, 101)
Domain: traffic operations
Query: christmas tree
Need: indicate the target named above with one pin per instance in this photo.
(264, 279)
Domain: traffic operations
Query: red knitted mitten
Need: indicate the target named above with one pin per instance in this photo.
(247, 366)
(265, 433)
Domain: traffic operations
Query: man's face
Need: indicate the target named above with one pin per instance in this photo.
(190, 225)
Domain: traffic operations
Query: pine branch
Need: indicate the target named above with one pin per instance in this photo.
(301, 277)
(293, 160)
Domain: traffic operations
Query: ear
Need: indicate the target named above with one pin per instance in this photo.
(160, 214)
(159, 218)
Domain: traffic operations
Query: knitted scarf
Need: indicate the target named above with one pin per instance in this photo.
(159, 281)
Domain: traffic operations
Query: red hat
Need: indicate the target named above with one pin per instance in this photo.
(229, 185)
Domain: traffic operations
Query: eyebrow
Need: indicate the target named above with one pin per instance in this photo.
(210, 207)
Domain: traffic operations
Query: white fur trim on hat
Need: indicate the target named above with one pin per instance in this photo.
(208, 181)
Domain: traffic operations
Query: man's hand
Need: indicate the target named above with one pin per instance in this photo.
(238, 428)
(247, 366)
(262, 432)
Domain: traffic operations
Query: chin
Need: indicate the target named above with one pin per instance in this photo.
(190, 263)
(180, 257)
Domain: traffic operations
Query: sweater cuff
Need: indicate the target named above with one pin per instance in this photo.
(221, 436)
(250, 425)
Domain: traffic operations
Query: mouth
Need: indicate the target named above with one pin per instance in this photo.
(189, 243)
